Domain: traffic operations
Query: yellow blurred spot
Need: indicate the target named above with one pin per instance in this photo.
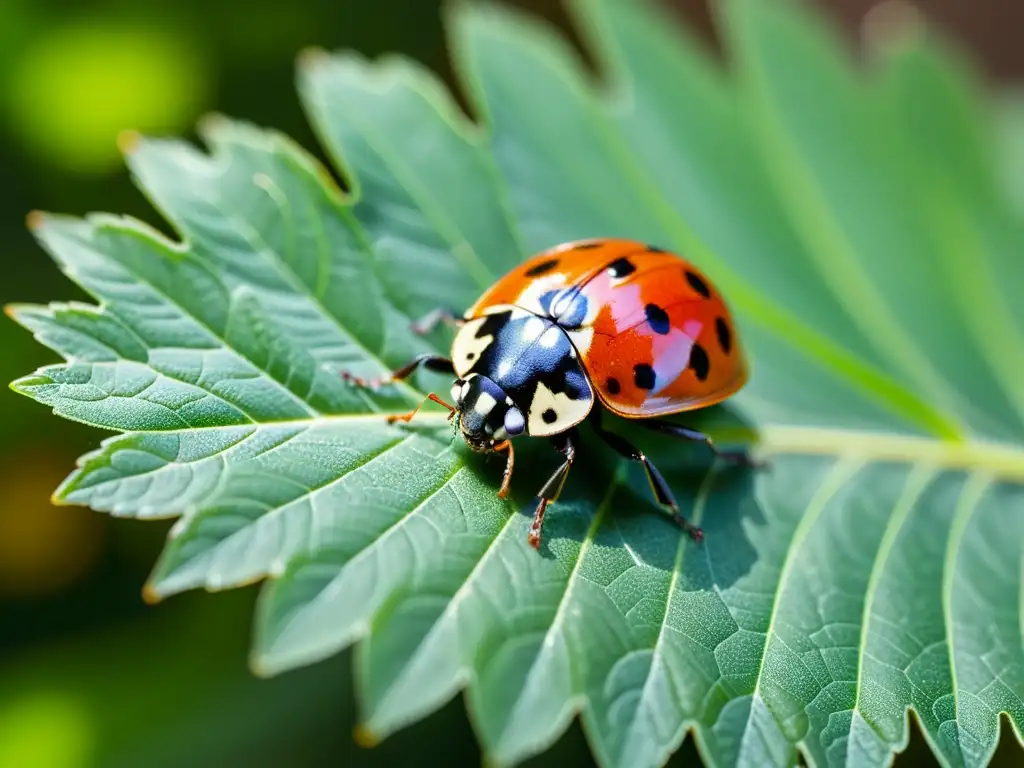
(150, 596)
(46, 730)
(364, 737)
(34, 220)
(211, 122)
(77, 87)
(42, 547)
(313, 57)
(128, 141)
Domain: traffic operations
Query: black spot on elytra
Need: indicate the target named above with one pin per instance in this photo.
(698, 285)
(544, 267)
(588, 246)
(612, 385)
(549, 416)
(724, 336)
(699, 362)
(655, 249)
(621, 268)
(643, 376)
(470, 355)
(657, 318)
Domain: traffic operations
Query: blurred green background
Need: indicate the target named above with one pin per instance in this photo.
(90, 675)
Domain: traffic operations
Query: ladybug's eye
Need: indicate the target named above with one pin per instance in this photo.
(514, 422)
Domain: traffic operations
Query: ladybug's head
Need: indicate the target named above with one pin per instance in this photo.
(487, 416)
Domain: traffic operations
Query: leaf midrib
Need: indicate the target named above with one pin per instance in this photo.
(1002, 460)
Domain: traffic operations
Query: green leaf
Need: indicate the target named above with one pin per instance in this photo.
(857, 218)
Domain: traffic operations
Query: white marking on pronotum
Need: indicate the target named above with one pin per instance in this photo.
(567, 411)
(550, 337)
(533, 328)
(467, 348)
(484, 404)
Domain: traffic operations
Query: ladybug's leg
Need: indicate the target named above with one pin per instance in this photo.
(506, 481)
(658, 485)
(741, 458)
(564, 445)
(392, 418)
(428, 361)
(434, 318)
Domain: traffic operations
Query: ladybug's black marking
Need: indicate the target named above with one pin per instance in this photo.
(470, 355)
(528, 364)
(549, 416)
(657, 318)
(621, 268)
(655, 249)
(543, 268)
(724, 336)
(612, 385)
(643, 376)
(699, 362)
(588, 246)
(482, 418)
(698, 285)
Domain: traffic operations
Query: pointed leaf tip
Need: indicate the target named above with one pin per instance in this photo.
(57, 500)
(26, 383)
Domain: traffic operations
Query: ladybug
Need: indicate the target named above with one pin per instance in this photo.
(629, 327)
